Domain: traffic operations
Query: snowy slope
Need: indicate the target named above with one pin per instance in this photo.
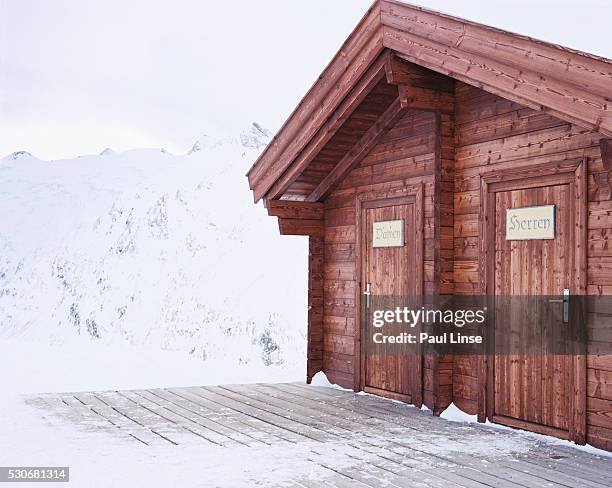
(154, 249)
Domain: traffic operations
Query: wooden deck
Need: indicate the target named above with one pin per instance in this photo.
(349, 439)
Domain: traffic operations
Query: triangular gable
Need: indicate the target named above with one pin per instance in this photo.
(568, 84)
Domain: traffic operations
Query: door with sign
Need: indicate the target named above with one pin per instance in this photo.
(391, 253)
(533, 243)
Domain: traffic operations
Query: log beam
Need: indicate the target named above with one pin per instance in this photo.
(426, 99)
(400, 72)
(301, 227)
(606, 153)
(359, 150)
(293, 209)
(420, 88)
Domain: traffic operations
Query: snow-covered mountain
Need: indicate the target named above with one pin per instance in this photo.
(151, 248)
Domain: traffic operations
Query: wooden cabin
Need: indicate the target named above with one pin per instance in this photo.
(445, 124)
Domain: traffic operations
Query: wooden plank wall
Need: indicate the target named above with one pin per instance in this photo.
(493, 132)
(315, 306)
(442, 366)
(405, 155)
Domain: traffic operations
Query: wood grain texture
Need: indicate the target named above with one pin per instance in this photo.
(374, 442)
(357, 94)
(295, 209)
(341, 233)
(358, 152)
(492, 133)
(543, 108)
(606, 153)
(400, 72)
(427, 99)
(502, 392)
(314, 348)
(391, 272)
(563, 83)
(522, 70)
(300, 227)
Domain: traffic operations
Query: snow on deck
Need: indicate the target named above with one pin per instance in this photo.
(291, 434)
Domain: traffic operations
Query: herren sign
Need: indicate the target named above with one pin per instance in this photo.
(530, 223)
(388, 233)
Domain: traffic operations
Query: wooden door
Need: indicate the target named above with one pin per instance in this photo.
(531, 367)
(542, 392)
(391, 370)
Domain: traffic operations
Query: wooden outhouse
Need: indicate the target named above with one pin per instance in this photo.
(445, 124)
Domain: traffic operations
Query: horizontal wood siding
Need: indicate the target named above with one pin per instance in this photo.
(315, 307)
(405, 155)
(491, 132)
(442, 370)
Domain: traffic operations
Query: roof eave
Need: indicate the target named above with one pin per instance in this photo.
(568, 84)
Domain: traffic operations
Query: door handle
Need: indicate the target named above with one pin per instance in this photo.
(565, 302)
(367, 294)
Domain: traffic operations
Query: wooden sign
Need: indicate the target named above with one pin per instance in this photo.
(530, 223)
(388, 233)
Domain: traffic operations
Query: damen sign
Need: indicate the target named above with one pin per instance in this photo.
(530, 223)
(388, 233)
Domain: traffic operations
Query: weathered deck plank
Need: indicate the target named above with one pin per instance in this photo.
(350, 440)
(225, 424)
(374, 406)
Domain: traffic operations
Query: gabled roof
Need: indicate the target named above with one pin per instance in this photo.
(569, 84)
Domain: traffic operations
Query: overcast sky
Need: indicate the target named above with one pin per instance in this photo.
(79, 76)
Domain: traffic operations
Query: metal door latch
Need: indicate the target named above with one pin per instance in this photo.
(565, 302)
(367, 293)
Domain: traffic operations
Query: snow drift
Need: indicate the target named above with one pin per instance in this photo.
(153, 249)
